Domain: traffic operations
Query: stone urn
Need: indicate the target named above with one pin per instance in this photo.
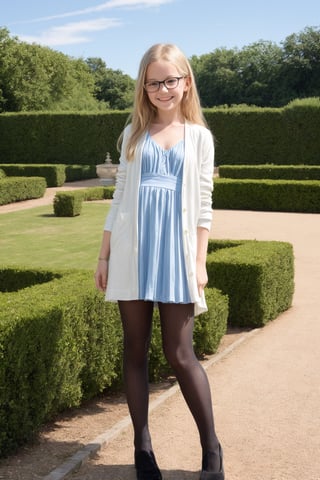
(107, 171)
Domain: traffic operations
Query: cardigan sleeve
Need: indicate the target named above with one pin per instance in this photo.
(120, 184)
(206, 179)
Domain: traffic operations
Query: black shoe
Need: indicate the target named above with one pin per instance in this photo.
(205, 475)
(146, 466)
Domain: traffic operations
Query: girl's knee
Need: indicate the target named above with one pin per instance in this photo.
(179, 358)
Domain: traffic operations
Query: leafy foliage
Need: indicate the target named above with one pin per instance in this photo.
(263, 73)
(112, 86)
(33, 77)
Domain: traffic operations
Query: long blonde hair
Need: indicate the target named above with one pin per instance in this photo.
(144, 112)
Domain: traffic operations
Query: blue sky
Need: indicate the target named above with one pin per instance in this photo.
(119, 31)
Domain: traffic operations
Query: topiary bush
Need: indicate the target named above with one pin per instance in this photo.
(68, 204)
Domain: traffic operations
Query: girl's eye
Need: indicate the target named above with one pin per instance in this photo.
(171, 82)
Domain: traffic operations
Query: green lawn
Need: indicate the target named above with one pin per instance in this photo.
(36, 237)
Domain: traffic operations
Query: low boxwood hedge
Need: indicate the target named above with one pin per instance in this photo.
(80, 172)
(267, 195)
(16, 189)
(269, 171)
(257, 276)
(61, 343)
(54, 174)
(68, 204)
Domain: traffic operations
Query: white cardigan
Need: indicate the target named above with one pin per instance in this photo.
(122, 220)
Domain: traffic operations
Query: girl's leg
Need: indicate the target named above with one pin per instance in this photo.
(177, 321)
(136, 316)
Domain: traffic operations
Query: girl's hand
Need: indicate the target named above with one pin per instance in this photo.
(101, 275)
(202, 276)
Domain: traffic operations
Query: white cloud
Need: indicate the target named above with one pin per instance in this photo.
(71, 33)
(102, 7)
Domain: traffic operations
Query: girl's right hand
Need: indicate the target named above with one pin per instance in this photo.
(101, 275)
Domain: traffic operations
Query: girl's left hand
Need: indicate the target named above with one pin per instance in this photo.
(202, 276)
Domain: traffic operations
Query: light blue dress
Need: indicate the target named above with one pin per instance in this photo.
(162, 271)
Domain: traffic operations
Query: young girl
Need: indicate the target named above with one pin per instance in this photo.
(155, 243)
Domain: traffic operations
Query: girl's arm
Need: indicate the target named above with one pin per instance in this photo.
(202, 246)
(101, 275)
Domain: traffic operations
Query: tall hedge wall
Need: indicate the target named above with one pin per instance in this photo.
(244, 135)
(71, 138)
(283, 136)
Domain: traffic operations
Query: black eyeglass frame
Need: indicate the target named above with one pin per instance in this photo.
(145, 86)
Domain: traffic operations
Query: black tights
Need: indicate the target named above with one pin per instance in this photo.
(177, 337)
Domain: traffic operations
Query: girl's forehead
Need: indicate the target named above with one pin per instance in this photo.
(161, 68)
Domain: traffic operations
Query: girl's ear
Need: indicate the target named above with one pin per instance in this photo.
(187, 84)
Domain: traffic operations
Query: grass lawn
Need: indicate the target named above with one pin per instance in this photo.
(37, 238)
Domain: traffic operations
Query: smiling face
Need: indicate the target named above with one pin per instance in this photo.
(166, 99)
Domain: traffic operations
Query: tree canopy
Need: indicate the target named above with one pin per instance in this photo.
(263, 73)
(33, 77)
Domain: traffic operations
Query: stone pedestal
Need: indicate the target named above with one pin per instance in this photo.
(107, 172)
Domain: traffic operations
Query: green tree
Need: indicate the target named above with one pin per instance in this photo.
(33, 77)
(216, 77)
(263, 73)
(113, 87)
(300, 70)
(258, 73)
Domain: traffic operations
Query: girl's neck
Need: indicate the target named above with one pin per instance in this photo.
(162, 120)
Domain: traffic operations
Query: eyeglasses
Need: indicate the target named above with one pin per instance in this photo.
(169, 83)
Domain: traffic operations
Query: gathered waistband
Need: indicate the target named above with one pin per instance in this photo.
(163, 181)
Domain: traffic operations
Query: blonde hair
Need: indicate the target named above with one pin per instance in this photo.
(144, 112)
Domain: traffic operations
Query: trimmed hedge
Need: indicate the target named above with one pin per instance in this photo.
(68, 138)
(54, 174)
(61, 343)
(244, 135)
(98, 193)
(56, 348)
(253, 135)
(66, 346)
(68, 204)
(80, 172)
(257, 276)
(16, 189)
(276, 172)
(267, 195)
